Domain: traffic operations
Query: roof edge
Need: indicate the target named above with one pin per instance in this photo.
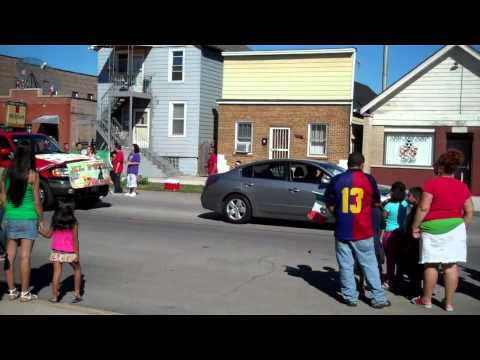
(290, 52)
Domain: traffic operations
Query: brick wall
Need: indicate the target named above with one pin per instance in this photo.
(295, 117)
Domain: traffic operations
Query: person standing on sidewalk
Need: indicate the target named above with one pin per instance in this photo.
(212, 162)
(23, 214)
(117, 163)
(446, 208)
(350, 197)
(133, 165)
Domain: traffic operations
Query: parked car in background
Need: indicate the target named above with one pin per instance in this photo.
(51, 163)
(281, 189)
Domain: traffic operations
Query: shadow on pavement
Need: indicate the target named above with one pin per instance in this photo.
(84, 205)
(41, 278)
(272, 222)
(466, 287)
(326, 281)
(473, 274)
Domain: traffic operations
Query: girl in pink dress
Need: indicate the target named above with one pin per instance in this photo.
(65, 248)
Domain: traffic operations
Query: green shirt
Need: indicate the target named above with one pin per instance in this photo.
(26, 210)
(442, 226)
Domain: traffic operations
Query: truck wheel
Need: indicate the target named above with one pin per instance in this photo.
(237, 209)
(46, 195)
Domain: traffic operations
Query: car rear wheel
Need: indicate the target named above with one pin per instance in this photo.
(46, 196)
(237, 209)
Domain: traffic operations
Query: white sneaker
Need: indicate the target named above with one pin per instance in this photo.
(133, 194)
(127, 194)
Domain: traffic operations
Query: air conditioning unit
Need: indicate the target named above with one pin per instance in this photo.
(244, 148)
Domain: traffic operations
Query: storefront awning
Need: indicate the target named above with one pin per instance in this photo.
(47, 119)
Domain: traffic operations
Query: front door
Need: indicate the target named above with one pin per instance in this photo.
(141, 130)
(279, 143)
(463, 143)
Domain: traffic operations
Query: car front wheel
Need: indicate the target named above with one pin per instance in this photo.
(237, 209)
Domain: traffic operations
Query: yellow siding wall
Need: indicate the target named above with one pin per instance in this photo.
(289, 77)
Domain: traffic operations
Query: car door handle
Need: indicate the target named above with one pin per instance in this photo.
(249, 184)
(294, 190)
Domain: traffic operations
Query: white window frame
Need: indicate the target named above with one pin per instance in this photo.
(170, 65)
(236, 137)
(170, 119)
(409, 132)
(309, 154)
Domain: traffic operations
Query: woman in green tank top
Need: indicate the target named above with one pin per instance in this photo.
(20, 195)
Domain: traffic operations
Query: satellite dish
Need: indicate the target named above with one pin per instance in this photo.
(32, 61)
(43, 66)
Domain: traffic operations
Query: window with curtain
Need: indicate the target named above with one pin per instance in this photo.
(317, 143)
(408, 149)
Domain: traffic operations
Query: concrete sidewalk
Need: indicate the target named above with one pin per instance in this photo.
(43, 307)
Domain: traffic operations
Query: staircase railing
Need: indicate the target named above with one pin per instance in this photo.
(109, 128)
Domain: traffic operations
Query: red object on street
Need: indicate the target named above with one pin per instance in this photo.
(171, 185)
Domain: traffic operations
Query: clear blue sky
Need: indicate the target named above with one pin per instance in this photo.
(403, 58)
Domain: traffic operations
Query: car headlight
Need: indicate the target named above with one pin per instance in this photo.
(60, 172)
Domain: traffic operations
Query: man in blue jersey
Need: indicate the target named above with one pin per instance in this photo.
(350, 197)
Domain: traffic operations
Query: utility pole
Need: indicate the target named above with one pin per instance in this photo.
(385, 67)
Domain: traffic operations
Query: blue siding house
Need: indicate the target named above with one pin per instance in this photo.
(163, 98)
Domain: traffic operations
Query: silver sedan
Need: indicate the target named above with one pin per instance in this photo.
(280, 189)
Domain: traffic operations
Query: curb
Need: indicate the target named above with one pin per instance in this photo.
(78, 308)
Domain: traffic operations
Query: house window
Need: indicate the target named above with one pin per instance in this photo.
(177, 119)
(75, 94)
(90, 97)
(317, 140)
(176, 65)
(243, 139)
(409, 149)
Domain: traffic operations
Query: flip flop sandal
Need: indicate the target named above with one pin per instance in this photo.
(54, 300)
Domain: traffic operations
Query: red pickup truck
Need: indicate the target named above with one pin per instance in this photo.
(51, 164)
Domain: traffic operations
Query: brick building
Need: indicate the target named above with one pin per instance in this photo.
(56, 102)
(286, 104)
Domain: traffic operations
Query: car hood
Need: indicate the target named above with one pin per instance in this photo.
(45, 161)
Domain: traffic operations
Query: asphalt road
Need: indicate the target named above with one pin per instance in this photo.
(161, 253)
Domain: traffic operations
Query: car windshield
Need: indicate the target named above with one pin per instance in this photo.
(333, 169)
(42, 144)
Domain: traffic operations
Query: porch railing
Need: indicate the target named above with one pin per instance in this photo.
(138, 82)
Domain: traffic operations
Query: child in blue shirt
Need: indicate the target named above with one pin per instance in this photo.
(394, 213)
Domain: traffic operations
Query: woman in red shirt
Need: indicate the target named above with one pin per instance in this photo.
(446, 207)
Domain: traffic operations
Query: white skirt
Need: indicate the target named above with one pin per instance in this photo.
(446, 248)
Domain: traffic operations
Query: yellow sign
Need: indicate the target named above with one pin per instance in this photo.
(16, 115)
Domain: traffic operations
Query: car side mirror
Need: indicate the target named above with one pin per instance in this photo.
(5, 152)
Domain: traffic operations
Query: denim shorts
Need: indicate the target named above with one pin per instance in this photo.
(21, 229)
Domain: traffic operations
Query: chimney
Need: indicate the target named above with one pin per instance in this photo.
(385, 67)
